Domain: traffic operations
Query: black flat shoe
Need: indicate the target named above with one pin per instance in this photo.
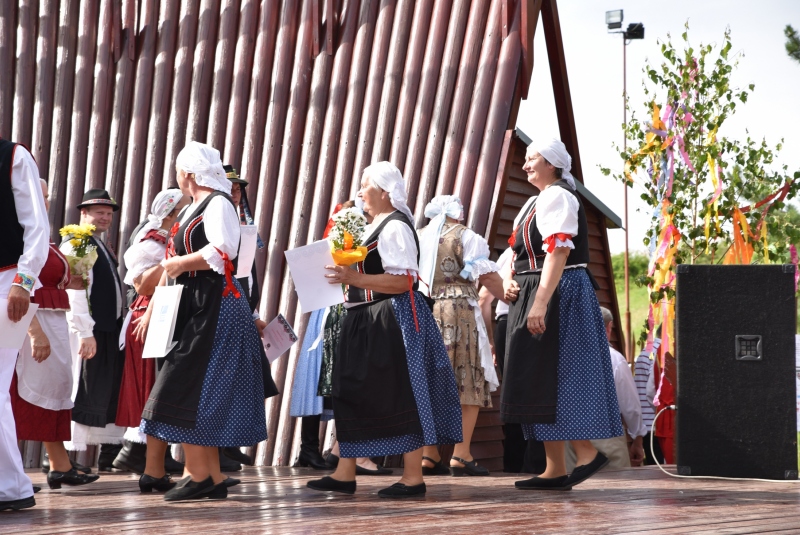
(171, 466)
(72, 478)
(131, 458)
(332, 461)
(231, 481)
(438, 468)
(190, 491)
(380, 471)
(400, 490)
(36, 489)
(314, 460)
(16, 505)
(77, 466)
(236, 454)
(544, 483)
(470, 468)
(333, 485)
(585, 471)
(150, 483)
(219, 492)
(228, 465)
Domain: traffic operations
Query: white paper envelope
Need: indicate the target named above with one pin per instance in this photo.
(12, 335)
(278, 338)
(307, 265)
(247, 250)
(162, 322)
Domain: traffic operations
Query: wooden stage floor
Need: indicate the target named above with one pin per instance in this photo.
(276, 500)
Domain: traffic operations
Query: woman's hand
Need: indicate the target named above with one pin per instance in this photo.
(536, 318)
(341, 275)
(510, 289)
(40, 345)
(140, 325)
(174, 266)
(260, 325)
(76, 282)
(87, 348)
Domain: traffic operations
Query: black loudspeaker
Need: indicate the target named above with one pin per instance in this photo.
(735, 350)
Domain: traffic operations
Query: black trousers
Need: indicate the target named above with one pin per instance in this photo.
(519, 455)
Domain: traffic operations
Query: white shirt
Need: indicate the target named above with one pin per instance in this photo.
(143, 255)
(32, 217)
(627, 396)
(503, 262)
(397, 248)
(557, 213)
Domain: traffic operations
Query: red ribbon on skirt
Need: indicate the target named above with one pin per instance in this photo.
(229, 269)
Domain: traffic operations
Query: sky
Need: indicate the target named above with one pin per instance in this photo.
(594, 65)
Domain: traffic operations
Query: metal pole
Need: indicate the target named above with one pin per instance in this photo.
(628, 340)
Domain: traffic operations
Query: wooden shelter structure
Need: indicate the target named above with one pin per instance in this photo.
(298, 95)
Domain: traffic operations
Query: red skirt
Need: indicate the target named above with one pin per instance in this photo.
(138, 375)
(36, 423)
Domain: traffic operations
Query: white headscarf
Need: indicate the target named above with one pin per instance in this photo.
(556, 153)
(204, 162)
(439, 209)
(387, 177)
(165, 202)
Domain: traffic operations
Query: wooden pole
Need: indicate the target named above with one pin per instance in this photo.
(223, 73)
(8, 12)
(81, 108)
(22, 131)
(45, 85)
(103, 94)
(242, 72)
(182, 84)
(203, 71)
(393, 79)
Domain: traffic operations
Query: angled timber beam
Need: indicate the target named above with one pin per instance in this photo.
(530, 18)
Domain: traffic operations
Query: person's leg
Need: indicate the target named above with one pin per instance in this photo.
(585, 452)
(212, 459)
(309, 434)
(59, 458)
(197, 462)
(556, 465)
(469, 416)
(14, 484)
(156, 450)
(412, 468)
(433, 453)
(345, 470)
(366, 462)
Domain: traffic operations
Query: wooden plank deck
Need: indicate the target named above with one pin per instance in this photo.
(276, 500)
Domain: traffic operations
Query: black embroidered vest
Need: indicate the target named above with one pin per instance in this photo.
(528, 242)
(105, 283)
(191, 237)
(13, 233)
(372, 264)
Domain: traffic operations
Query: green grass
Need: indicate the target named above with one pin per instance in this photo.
(639, 307)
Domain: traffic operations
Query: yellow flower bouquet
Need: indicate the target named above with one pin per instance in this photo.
(84, 254)
(346, 237)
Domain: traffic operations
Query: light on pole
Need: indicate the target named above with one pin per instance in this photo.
(635, 31)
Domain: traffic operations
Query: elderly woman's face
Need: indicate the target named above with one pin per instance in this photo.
(371, 195)
(540, 172)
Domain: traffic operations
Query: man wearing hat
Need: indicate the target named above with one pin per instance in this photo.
(97, 322)
(26, 243)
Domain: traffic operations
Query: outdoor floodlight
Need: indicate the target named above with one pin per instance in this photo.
(614, 19)
(635, 31)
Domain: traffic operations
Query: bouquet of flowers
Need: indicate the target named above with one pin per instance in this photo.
(346, 236)
(84, 254)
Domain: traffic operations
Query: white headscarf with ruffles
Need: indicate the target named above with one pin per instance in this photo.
(556, 153)
(439, 209)
(204, 163)
(388, 177)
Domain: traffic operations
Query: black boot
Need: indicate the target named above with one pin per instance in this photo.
(236, 454)
(309, 444)
(171, 466)
(108, 452)
(228, 465)
(132, 457)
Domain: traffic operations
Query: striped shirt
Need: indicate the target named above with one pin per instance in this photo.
(643, 367)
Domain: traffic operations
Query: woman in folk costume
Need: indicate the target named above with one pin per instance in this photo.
(143, 262)
(558, 380)
(313, 382)
(393, 385)
(452, 260)
(41, 389)
(209, 391)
